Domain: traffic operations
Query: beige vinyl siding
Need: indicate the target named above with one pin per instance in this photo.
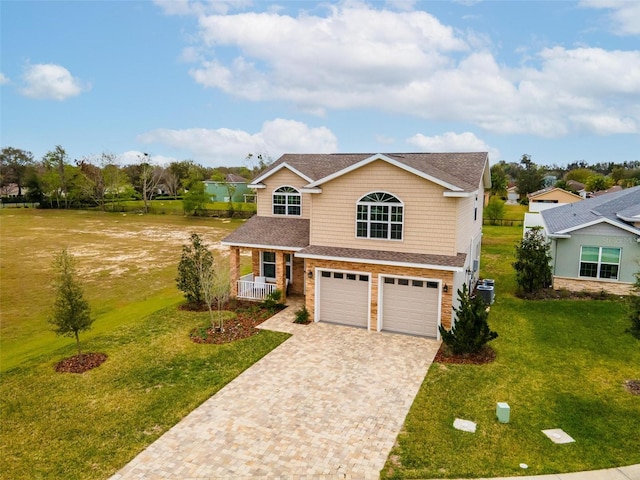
(467, 228)
(281, 178)
(429, 217)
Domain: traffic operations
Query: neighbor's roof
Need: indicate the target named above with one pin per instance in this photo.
(552, 189)
(438, 262)
(276, 232)
(459, 171)
(615, 208)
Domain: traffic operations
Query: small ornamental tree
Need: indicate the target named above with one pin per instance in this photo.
(194, 256)
(215, 281)
(470, 332)
(495, 210)
(634, 308)
(71, 312)
(532, 265)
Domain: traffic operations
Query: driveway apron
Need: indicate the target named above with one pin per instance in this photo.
(327, 403)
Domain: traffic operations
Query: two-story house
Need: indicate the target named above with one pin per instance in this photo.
(381, 241)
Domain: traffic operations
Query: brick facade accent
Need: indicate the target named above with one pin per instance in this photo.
(579, 285)
(374, 270)
(234, 269)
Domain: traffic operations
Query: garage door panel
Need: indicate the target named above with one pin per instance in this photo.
(344, 298)
(410, 306)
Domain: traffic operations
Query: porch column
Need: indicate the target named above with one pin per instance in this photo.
(281, 274)
(234, 269)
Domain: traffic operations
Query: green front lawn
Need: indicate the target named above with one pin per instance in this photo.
(560, 364)
(89, 426)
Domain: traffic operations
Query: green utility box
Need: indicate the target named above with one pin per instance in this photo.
(502, 412)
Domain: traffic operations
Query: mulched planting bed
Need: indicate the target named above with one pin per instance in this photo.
(81, 363)
(248, 316)
(486, 355)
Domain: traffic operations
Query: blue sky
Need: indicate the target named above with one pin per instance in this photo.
(213, 81)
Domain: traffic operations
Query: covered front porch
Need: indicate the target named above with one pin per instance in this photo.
(273, 242)
(271, 270)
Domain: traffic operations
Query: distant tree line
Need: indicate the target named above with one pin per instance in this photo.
(56, 181)
(529, 177)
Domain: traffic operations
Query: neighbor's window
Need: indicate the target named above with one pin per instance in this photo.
(599, 262)
(379, 215)
(286, 201)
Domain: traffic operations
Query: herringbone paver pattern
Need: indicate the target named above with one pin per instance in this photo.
(327, 403)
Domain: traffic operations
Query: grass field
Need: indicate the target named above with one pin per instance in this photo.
(560, 364)
(88, 426)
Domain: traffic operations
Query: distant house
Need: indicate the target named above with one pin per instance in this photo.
(549, 198)
(595, 244)
(512, 195)
(615, 188)
(577, 187)
(235, 184)
(11, 190)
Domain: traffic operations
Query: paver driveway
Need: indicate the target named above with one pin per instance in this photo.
(327, 403)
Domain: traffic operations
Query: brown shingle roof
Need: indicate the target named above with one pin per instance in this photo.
(377, 256)
(277, 232)
(463, 170)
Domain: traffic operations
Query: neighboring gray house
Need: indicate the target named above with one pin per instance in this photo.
(595, 244)
(219, 191)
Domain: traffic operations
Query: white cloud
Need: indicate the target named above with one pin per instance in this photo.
(453, 142)
(4, 79)
(132, 157)
(408, 62)
(50, 81)
(225, 146)
(624, 16)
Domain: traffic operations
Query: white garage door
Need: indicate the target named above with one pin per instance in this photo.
(344, 298)
(410, 306)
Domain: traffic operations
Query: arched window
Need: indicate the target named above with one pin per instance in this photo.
(286, 201)
(379, 215)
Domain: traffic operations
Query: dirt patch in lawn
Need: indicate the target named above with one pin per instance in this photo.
(633, 386)
(248, 316)
(81, 363)
(486, 355)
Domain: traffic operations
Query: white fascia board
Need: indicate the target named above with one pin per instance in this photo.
(257, 185)
(392, 161)
(556, 235)
(459, 194)
(260, 247)
(310, 190)
(280, 167)
(621, 226)
(380, 262)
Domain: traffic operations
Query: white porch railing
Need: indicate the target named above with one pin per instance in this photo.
(254, 289)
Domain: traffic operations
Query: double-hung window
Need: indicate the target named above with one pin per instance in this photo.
(269, 265)
(600, 262)
(287, 201)
(379, 215)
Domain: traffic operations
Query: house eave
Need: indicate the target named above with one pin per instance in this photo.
(257, 185)
(310, 190)
(380, 262)
(459, 194)
(280, 167)
(619, 225)
(261, 246)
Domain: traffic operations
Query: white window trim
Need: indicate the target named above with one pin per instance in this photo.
(288, 263)
(388, 222)
(286, 201)
(600, 263)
